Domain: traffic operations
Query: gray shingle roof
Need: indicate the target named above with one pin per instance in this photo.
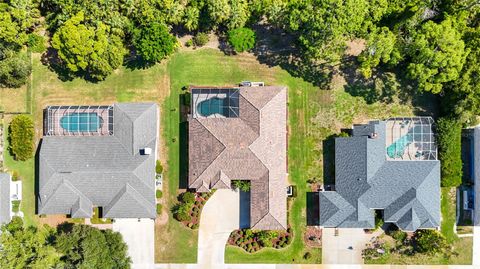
(407, 191)
(476, 174)
(78, 172)
(5, 203)
(252, 146)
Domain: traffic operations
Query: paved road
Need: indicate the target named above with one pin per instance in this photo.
(220, 216)
(140, 237)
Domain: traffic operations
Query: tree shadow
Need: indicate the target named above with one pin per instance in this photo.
(387, 85)
(184, 106)
(276, 47)
(313, 209)
(65, 227)
(52, 61)
(37, 175)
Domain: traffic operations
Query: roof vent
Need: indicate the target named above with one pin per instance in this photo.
(373, 135)
(146, 151)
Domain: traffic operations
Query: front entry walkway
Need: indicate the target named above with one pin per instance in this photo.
(220, 216)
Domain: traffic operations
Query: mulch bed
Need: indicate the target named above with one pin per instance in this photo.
(313, 237)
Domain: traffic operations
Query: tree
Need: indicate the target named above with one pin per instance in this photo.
(21, 137)
(26, 247)
(89, 51)
(218, 10)
(15, 68)
(242, 39)
(17, 18)
(449, 146)
(239, 14)
(381, 48)
(465, 99)
(430, 242)
(324, 25)
(84, 246)
(437, 54)
(154, 42)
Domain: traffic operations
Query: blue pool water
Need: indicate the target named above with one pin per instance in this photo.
(81, 122)
(397, 149)
(211, 106)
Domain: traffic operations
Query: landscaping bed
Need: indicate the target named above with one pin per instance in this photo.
(190, 206)
(252, 241)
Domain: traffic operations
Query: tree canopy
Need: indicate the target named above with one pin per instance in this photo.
(437, 55)
(69, 246)
(92, 51)
(154, 42)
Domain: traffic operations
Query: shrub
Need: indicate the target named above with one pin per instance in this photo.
(182, 213)
(201, 39)
(243, 185)
(195, 226)
(242, 39)
(158, 194)
(15, 206)
(429, 241)
(265, 237)
(449, 151)
(15, 176)
(189, 43)
(399, 236)
(307, 255)
(22, 131)
(158, 167)
(36, 43)
(159, 209)
(187, 198)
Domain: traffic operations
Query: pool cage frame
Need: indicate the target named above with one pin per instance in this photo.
(424, 140)
(53, 114)
(199, 95)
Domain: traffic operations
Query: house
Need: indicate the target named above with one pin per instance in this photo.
(99, 156)
(388, 168)
(241, 134)
(5, 198)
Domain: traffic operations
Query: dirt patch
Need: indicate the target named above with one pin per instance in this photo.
(355, 47)
(213, 42)
(54, 220)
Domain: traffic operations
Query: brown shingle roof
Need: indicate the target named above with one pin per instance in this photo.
(250, 147)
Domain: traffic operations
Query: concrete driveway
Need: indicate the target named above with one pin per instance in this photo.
(220, 216)
(335, 248)
(139, 236)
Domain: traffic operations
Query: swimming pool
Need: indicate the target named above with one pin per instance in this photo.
(81, 122)
(212, 106)
(397, 148)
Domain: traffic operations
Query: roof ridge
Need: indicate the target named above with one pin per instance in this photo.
(269, 215)
(269, 100)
